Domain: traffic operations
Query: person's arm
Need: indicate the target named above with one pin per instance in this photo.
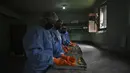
(61, 50)
(67, 37)
(36, 41)
(32, 40)
(60, 44)
(62, 38)
(33, 44)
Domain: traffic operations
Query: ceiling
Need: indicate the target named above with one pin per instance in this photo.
(75, 4)
(47, 5)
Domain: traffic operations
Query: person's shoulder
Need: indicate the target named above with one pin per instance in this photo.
(59, 33)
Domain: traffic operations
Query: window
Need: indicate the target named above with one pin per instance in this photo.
(98, 19)
(103, 17)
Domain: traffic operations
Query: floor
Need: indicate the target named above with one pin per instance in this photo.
(104, 62)
(97, 62)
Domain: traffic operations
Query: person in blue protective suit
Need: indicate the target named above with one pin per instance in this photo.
(65, 35)
(58, 51)
(38, 45)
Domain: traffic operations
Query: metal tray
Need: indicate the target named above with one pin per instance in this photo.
(81, 66)
(75, 50)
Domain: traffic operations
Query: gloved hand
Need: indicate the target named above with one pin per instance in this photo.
(63, 56)
(72, 44)
(69, 59)
(66, 49)
(67, 42)
(61, 62)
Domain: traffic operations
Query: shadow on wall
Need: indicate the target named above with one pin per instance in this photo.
(80, 35)
(99, 39)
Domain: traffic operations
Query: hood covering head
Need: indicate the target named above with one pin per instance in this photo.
(49, 19)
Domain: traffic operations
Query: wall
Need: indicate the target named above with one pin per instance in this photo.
(114, 38)
(80, 35)
(8, 12)
(76, 35)
(30, 19)
(4, 34)
(68, 16)
(7, 17)
(4, 41)
(128, 29)
(99, 39)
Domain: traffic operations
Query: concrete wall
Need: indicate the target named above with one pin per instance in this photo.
(68, 16)
(80, 35)
(4, 34)
(114, 38)
(77, 34)
(8, 12)
(99, 39)
(128, 28)
(30, 19)
(6, 18)
(4, 41)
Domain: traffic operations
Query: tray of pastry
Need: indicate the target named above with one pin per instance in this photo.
(80, 65)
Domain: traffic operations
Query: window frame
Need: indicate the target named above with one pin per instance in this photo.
(102, 5)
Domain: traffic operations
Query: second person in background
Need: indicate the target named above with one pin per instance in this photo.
(65, 35)
(57, 52)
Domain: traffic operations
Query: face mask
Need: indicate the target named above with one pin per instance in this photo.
(58, 27)
(63, 31)
(48, 26)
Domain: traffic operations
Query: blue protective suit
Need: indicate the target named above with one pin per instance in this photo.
(65, 38)
(39, 50)
(57, 42)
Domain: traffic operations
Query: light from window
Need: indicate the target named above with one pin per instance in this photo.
(103, 17)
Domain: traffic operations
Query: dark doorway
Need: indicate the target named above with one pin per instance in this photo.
(17, 32)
